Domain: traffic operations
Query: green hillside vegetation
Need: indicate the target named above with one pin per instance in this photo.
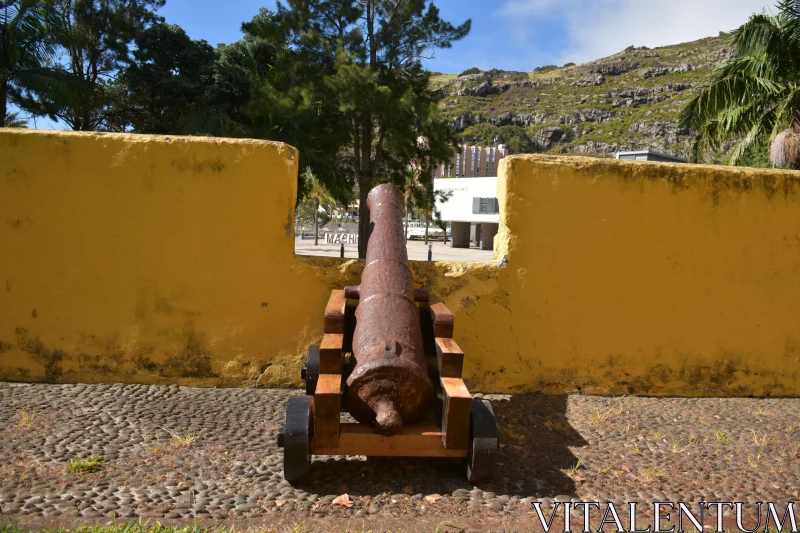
(628, 101)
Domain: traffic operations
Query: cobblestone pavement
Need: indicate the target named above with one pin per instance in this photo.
(185, 453)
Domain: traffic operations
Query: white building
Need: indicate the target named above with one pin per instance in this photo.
(649, 155)
(473, 201)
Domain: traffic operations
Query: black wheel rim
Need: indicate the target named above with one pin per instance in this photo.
(297, 439)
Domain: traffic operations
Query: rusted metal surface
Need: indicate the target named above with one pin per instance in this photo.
(389, 385)
(352, 292)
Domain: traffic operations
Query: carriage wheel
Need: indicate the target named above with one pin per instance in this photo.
(297, 439)
(310, 372)
(482, 442)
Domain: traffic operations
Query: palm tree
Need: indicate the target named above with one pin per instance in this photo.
(755, 94)
(25, 47)
(13, 120)
(317, 194)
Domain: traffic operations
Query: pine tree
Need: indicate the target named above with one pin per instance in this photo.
(356, 67)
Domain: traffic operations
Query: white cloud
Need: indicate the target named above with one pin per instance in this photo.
(598, 28)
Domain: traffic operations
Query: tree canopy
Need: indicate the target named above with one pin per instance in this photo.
(343, 81)
(25, 50)
(357, 69)
(757, 92)
(92, 38)
(165, 81)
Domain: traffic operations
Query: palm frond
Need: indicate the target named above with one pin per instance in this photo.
(14, 120)
(60, 87)
(753, 93)
(790, 7)
(730, 88)
(742, 146)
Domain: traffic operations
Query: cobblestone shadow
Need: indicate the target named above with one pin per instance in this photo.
(188, 453)
(534, 458)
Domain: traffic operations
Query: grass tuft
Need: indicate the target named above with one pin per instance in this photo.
(599, 416)
(754, 460)
(180, 441)
(572, 472)
(558, 425)
(761, 439)
(511, 434)
(183, 441)
(25, 418)
(660, 435)
(86, 465)
(606, 469)
(448, 528)
(676, 447)
(722, 437)
(650, 473)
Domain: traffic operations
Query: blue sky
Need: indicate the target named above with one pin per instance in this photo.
(513, 34)
(518, 34)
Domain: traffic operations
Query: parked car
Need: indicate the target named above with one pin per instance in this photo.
(418, 233)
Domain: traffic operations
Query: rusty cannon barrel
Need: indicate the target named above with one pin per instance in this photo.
(389, 384)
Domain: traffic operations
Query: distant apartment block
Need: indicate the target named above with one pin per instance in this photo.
(472, 162)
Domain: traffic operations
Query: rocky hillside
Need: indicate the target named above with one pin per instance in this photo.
(629, 101)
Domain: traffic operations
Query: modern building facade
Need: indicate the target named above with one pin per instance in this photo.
(472, 162)
(471, 210)
(649, 155)
(472, 207)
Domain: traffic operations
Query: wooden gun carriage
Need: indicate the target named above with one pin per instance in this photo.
(385, 387)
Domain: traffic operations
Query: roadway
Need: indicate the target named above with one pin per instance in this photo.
(417, 251)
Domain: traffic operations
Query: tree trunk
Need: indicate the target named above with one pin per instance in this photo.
(316, 222)
(363, 217)
(3, 100)
(365, 177)
(408, 214)
(796, 121)
(427, 220)
(365, 182)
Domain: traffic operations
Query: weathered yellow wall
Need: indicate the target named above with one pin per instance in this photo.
(139, 258)
(650, 278)
(156, 259)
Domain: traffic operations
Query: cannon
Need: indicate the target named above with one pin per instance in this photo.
(388, 358)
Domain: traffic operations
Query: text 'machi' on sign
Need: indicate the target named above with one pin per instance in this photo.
(341, 238)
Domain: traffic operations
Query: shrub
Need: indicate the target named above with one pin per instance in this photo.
(473, 70)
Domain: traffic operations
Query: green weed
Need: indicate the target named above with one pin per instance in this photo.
(86, 465)
(26, 418)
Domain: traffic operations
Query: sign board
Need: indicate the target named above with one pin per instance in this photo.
(341, 238)
(463, 192)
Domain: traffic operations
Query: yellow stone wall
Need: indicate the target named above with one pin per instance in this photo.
(149, 259)
(649, 278)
